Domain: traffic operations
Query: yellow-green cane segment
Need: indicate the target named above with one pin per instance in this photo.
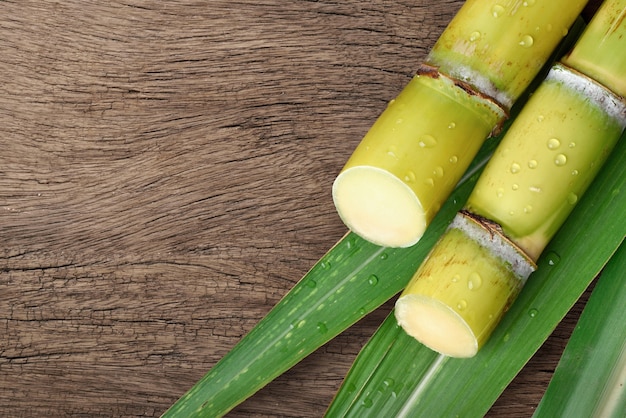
(461, 291)
(548, 158)
(597, 52)
(418, 149)
(407, 164)
(499, 46)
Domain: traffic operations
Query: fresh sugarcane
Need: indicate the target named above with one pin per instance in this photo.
(407, 164)
(354, 278)
(396, 376)
(544, 164)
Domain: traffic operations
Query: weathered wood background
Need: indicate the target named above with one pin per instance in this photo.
(165, 173)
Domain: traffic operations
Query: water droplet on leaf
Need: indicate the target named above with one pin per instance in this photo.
(553, 258)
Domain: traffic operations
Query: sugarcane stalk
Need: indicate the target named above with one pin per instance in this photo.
(409, 161)
(542, 167)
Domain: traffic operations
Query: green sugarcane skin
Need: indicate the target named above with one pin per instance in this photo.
(548, 158)
(423, 142)
(500, 46)
(461, 291)
(596, 53)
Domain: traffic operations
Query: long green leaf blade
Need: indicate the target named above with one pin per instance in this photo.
(590, 379)
(394, 375)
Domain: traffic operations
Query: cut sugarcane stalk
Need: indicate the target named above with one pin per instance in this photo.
(409, 161)
(395, 376)
(450, 300)
(377, 192)
(543, 165)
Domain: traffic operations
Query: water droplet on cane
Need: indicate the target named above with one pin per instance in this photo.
(429, 182)
(438, 172)
(410, 176)
(454, 159)
(528, 209)
(574, 172)
(497, 10)
(455, 278)
(322, 328)
(474, 282)
(311, 283)
(515, 168)
(427, 141)
(500, 192)
(461, 305)
(533, 313)
(392, 151)
(527, 41)
(560, 160)
(474, 36)
(572, 198)
(451, 125)
(515, 186)
(553, 143)
(373, 280)
(532, 164)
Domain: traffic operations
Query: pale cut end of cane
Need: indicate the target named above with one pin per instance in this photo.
(436, 325)
(379, 207)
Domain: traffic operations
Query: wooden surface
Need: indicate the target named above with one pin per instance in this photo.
(165, 174)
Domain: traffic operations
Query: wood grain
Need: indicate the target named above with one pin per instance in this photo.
(165, 173)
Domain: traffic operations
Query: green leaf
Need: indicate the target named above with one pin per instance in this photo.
(394, 375)
(591, 376)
